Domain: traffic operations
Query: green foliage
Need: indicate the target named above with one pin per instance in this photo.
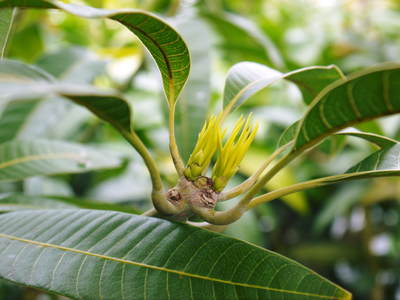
(71, 189)
(140, 253)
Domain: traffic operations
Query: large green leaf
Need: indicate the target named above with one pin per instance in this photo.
(25, 158)
(6, 21)
(163, 42)
(106, 255)
(247, 78)
(366, 95)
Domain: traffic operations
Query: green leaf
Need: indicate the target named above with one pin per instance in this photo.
(106, 255)
(163, 42)
(19, 81)
(24, 202)
(379, 140)
(6, 21)
(191, 110)
(20, 159)
(384, 162)
(241, 40)
(363, 96)
(247, 78)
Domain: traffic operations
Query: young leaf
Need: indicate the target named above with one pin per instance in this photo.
(20, 159)
(247, 78)
(362, 96)
(76, 253)
(163, 42)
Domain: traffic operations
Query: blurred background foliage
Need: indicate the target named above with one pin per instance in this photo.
(348, 232)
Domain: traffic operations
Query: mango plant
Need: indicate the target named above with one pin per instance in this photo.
(92, 251)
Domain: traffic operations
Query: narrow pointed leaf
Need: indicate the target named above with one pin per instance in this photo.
(163, 42)
(20, 159)
(106, 255)
(363, 96)
(247, 78)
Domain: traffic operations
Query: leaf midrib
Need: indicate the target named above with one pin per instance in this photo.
(163, 269)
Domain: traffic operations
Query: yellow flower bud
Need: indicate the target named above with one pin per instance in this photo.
(232, 152)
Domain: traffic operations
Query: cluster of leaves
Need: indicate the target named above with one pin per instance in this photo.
(114, 255)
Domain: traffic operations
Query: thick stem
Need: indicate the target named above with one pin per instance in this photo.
(160, 202)
(173, 147)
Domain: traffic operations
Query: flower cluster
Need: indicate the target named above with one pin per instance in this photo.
(229, 154)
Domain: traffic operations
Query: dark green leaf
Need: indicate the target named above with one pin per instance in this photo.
(106, 255)
(163, 42)
(367, 95)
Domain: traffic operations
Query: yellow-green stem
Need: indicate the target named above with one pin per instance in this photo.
(173, 147)
(160, 202)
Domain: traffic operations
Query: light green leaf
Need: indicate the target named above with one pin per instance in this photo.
(247, 78)
(163, 42)
(6, 21)
(88, 255)
(363, 96)
(20, 159)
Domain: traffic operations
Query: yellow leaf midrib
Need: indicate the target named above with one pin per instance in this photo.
(163, 269)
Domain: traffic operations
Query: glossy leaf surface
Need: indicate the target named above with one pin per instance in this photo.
(106, 255)
(363, 96)
(247, 78)
(163, 42)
